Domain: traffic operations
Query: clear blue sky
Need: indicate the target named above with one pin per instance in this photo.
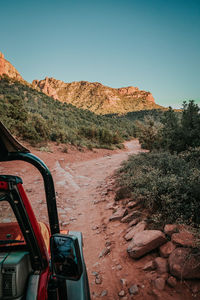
(151, 44)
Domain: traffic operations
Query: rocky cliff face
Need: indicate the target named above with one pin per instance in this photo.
(97, 97)
(93, 96)
(7, 69)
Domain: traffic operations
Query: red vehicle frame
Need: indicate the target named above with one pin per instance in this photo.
(49, 286)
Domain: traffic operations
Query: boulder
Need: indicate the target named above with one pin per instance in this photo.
(169, 229)
(184, 263)
(132, 215)
(144, 242)
(119, 214)
(129, 229)
(161, 265)
(183, 238)
(167, 249)
(133, 222)
(138, 228)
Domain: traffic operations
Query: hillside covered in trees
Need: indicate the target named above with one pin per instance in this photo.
(36, 117)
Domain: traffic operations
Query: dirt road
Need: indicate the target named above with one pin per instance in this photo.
(84, 188)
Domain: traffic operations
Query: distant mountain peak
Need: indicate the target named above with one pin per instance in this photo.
(7, 69)
(97, 97)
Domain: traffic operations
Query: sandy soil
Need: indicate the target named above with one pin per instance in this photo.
(84, 189)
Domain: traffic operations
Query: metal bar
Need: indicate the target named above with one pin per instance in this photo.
(48, 185)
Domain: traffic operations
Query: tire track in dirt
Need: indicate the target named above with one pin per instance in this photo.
(92, 218)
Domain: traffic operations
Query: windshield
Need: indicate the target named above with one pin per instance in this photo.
(10, 232)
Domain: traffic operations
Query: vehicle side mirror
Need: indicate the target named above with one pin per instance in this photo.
(66, 260)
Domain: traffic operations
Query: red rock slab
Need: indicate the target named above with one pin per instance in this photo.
(183, 238)
(119, 214)
(138, 228)
(144, 242)
(167, 249)
(169, 229)
(161, 265)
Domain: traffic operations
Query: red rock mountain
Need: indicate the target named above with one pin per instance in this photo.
(96, 97)
(7, 69)
(93, 96)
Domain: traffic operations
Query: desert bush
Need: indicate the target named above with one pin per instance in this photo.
(166, 184)
(148, 133)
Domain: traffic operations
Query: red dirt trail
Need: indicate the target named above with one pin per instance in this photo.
(82, 181)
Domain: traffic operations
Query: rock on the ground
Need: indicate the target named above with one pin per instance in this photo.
(121, 293)
(133, 222)
(172, 281)
(149, 266)
(123, 281)
(110, 206)
(184, 263)
(104, 252)
(161, 265)
(95, 273)
(132, 215)
(133, 290)
(138, 228)
(104, 293)
(132, 204)
(129, 229)
(98, 279)
(169, 229)
(119, 214)
(144, 242)
(183, 238)
(108, 243)
(167, 249)
(119, 267)
(159, 283)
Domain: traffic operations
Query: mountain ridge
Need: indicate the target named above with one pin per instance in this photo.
(97, 97)
(92, 96)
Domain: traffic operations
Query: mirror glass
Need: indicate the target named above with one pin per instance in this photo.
(66, 257)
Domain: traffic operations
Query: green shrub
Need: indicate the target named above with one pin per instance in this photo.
(148, 133)
(167, 184)
(175, 132)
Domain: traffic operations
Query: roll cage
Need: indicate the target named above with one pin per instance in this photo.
(11, 149)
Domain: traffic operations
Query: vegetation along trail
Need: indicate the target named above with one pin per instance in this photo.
(85, 197)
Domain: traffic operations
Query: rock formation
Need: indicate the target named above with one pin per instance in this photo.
(7, 69)
(97, 97)
(93, 96)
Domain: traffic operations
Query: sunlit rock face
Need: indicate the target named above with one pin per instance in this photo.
(7, 69)
(97, 97)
